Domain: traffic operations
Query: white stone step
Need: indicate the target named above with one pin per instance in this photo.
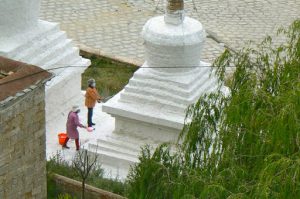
(44, 29)
(108, 147)
(150, 100)
(69, 57)
(212, 89)
(166, 80)
(46, 43)
(173, 86)
(163, 86)
(111, 157)
(208, 86)
(51, 53)
(173, 98)
(159, 94)
(131, 149)
(118, 150)
(173, 80)
(134, 143)
(112, 172)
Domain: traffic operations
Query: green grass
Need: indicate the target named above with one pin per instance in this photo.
(55, 192)
(110, 76)
(59, 166)
(52, 190)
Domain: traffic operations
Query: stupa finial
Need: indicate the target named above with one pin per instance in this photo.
(174, 12)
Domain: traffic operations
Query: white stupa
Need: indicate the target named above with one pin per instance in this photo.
(25, 38)
(153, 104)
(151, 108)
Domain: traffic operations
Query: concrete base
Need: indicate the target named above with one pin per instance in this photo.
(144, 130)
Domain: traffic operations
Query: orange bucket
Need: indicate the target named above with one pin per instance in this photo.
(61, 138)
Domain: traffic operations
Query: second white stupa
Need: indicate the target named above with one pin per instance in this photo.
(153, 104)
(151, 108)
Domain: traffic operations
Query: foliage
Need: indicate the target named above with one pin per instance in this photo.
(65, 196)
(83, 164)
(52, 190)
(57, 164)
(244, 144)
(110, 76)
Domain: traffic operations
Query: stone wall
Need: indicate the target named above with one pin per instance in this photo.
(72, 186)
(22, 146)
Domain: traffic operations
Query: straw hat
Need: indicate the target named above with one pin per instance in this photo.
(75, 108)
(91, 81)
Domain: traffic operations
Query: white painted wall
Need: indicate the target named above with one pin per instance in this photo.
(25, 38)
(170, 45)
(17, 16)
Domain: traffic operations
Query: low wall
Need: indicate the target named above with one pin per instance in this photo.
(69, 185)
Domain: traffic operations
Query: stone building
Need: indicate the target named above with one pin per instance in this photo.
(22, 130)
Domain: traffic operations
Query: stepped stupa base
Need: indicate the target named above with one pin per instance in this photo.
(117, 152)
(153, 104)
(46, 46)
(150, 110)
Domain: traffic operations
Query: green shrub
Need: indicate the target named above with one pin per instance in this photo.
(65, 196)
(58, 165)
(110, 76)
(242, 145)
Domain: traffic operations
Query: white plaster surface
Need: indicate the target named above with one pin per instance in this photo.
(189, 32)
(175, 18)
(168, 45)
(17, 16)
(23, 37)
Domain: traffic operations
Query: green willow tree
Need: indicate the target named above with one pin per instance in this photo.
(245, 144)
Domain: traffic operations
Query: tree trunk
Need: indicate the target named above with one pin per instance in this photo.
(83, 189)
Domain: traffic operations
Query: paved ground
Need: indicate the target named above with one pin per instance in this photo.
(113, 27)
(104, 126)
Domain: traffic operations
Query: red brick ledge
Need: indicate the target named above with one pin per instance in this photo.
(90, 191)
(23, 78)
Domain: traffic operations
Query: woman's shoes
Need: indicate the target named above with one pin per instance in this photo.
(65, 146)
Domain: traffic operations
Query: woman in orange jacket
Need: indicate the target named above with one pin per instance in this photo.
(91, 97)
